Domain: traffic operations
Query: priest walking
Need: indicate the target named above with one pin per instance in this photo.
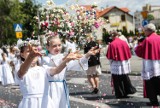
(149, 51)
(119, 54)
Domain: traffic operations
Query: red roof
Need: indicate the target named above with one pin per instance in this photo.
(125, 9)
(105, 11)
(101, 13)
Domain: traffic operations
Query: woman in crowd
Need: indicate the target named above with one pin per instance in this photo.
(94, 69)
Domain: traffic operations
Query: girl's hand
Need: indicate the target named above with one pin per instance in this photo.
(92, 51)
(70, 56)
(78, 55)
(34, 51)
(73, 56)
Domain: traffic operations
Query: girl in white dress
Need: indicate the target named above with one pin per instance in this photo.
(33, 78)
(12, 58)
(7, 77)
(58, 88)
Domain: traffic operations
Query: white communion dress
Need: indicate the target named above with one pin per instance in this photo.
(57, 88)
(7, 77)
(32, 87)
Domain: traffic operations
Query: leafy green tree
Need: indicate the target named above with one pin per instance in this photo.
(29, 10)
(13, 11)
(5, 20)
(150, 17)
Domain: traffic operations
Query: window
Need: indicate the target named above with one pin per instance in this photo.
(123, 18)
(107, 19)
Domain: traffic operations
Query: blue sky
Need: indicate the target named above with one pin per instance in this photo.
(58, 2)
(132, 5)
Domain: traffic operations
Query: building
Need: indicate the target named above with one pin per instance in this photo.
(138, 20)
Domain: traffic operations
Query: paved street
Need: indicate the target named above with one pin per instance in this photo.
(80, 90)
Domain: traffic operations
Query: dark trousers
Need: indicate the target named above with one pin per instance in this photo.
(153, 89)
(122, 85)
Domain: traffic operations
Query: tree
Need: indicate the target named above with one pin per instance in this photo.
(5, 20)
(29, 10)
(13, 11)
(150, 17)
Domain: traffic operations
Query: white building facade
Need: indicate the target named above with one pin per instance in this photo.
(138, 19)
(118, 19)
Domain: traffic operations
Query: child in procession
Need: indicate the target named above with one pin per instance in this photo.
(58, 89)
(6, 74)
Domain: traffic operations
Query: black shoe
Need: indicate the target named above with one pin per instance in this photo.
(95, 91)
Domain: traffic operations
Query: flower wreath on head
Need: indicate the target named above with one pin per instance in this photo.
(26, 43)
(34, 42)
(22, 44)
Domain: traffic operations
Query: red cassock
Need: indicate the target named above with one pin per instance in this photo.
(118, 50)
(150, 48)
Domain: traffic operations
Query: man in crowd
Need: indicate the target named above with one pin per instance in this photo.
(119, 55)
(149, 51)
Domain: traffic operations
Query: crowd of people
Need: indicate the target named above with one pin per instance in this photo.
(42, 76)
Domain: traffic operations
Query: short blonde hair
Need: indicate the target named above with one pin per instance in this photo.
(89, 36)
